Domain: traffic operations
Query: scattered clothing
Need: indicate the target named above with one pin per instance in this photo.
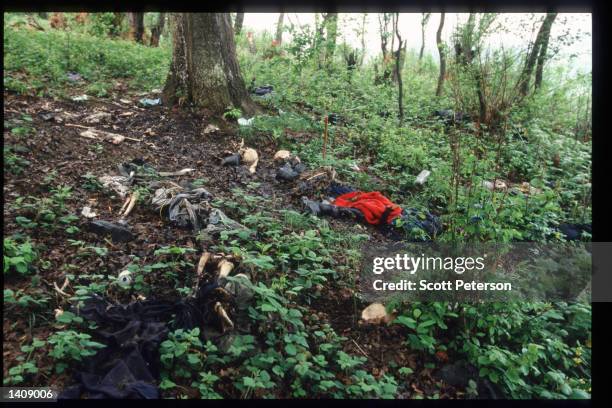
(119, 233)
(450, 117)
(336, 190)
(290, 170)
(573, 232)
(412, 219)
(128, 367)
(376, 208)
(263, 90)
(192, 208)
(233, 160)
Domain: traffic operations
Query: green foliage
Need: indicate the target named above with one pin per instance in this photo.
(38, 62)
(18, 257)
(69, 345)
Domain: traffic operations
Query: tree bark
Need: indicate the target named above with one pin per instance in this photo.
(533, 54)
(116, 24)
(442, 56)
(157, 30)
(238, 23)
(136, 26)
(362, 34)
(398, 72)
(550, 19)
(279, 29)
(424, 21)
(331, 31)
(204, 69)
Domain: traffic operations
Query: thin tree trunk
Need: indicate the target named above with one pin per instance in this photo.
(116, 24)
(157, 30)
(331, 32)
(398, 72)
(363, 45)
(204, 69)
(424, 20)
(279, 29)
(136, 26)
(550, 19)
(533, 54)
(442, 56)
(238, 23)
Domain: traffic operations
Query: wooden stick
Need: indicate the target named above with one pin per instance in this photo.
(102, 132)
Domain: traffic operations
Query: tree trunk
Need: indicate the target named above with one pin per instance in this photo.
(157, 30)
(533, 54)
(116, 24)
(204, 70)
(398, 71)
(401, 61)
(550, 18)
(331, 30)
(238, 23)
(279, 29)
(424, 21)
(136, 26)
(362, 34)
(442, 56)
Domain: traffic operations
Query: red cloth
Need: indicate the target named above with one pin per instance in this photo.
(372, 205)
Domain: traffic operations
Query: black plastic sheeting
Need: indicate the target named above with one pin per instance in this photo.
(128, 367)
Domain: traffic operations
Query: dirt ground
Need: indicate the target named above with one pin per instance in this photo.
(170, 140)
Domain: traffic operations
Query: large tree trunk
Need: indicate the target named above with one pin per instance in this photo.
(136, 26)
(442, 56)
(279, 29)
(544, 48)
(533, 54)
(238, 23)
(204, 68)
(157, 30)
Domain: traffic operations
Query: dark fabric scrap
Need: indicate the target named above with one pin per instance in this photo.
(128, 367)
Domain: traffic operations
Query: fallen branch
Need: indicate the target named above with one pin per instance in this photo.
(96, 134)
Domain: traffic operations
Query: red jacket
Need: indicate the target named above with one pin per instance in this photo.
(374, 206)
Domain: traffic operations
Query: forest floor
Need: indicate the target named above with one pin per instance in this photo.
(170, 140)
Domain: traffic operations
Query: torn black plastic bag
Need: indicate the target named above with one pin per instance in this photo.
(128, 367)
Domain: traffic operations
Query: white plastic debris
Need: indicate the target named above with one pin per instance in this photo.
(88, 213)
(125, 278)
(150, 102)
(245, 122)
(355, 167)
(422, 177)
(80, 98)
(210, 128)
